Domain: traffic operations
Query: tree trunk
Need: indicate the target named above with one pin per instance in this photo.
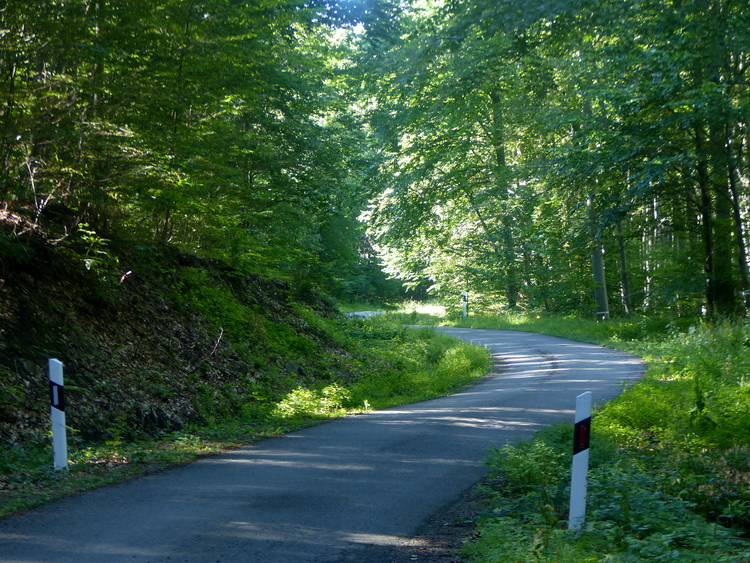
(717, 113)
(597, 264)
(725, 286)
(734, 182)
(706, 213)
(725, 280)
(624, 278)
(501, 178)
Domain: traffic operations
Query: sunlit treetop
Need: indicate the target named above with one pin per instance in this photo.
(350, 13)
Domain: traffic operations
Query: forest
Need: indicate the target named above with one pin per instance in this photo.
(191, 191)
(566, 156)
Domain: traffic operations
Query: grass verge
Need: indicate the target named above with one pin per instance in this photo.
(629, 516)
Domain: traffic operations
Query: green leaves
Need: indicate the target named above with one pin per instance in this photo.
(186, 123)
(478, 129)
(498, 116)
(629, 515)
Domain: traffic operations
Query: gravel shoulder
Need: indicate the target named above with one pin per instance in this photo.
(442, 536)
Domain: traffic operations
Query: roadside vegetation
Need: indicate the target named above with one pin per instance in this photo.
(169, 355)
(382, 363)
(669, 477)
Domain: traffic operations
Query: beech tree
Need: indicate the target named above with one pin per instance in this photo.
(569, 155)
(218, 126)
(629, 116)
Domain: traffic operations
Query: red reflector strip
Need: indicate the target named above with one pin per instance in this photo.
(582, 435)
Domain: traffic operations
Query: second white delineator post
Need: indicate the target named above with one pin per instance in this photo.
(57, 413)
(578, 482)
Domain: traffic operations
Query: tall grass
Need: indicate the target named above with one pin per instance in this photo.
(416, 365)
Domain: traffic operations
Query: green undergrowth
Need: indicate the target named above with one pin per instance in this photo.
(382, 363)
(629, 517)
(670, 456)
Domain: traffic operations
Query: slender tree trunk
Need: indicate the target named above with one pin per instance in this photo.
(733, 149)
(717, 225)
(725, 278)
(624, 278)
(597, 248)
(597, 264)
(501, 178)
(706, 213)
(713, 68)
(725, 286)
(543, 283)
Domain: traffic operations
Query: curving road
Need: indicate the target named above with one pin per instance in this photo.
(344, 491)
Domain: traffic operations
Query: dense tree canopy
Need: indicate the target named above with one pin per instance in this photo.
(569, 156)
(221, 126)
(535, 145)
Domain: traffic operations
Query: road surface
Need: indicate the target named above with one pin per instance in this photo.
(344, 491)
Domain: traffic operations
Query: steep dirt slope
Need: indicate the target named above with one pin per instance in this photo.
(140, 357)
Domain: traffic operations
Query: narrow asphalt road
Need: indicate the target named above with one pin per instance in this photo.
(344, 491)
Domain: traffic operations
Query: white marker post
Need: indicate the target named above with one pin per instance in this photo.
(465, 303)
(581, 438)
(57, 413)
